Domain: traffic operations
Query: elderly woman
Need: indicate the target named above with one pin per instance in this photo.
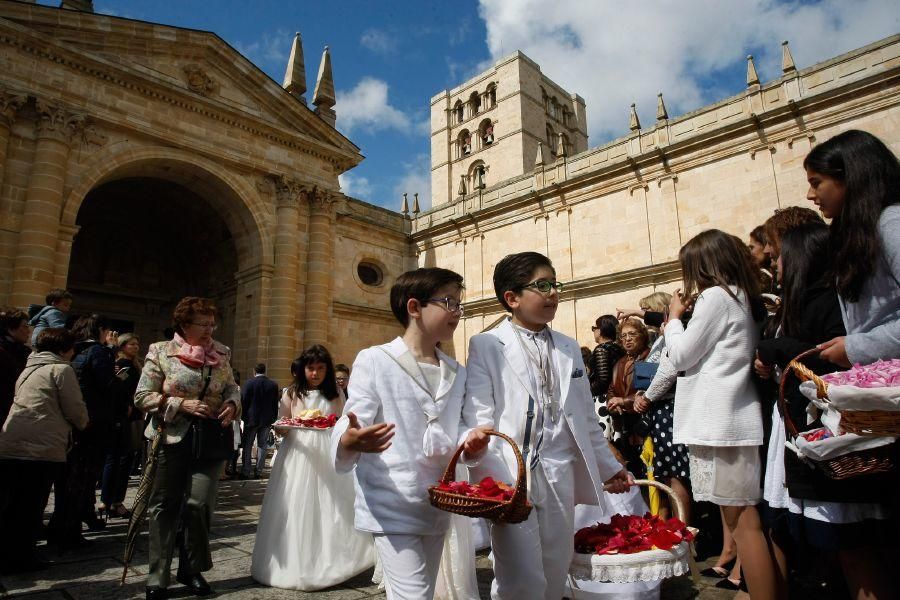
(634, 338)
(188, 387)
(33, 444)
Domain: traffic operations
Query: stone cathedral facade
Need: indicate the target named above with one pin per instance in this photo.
(140, 163)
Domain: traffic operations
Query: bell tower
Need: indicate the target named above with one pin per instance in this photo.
(496, 125)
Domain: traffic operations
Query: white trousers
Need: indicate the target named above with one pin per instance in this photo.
(532, 559)
(410, 564)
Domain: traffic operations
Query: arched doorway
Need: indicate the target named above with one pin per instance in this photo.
(206, 195)
(143, 243)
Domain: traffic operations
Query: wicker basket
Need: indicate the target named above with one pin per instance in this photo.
(650, 565)
(514, 510)
(863, 462)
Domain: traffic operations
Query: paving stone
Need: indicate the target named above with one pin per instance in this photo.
(93, 573)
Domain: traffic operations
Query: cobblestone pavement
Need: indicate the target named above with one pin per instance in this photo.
(93, 573)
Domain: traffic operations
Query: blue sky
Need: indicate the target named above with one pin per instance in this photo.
(391, 57)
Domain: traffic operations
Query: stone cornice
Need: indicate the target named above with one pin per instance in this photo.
(591, 287)
(355, 312)
(15, 35)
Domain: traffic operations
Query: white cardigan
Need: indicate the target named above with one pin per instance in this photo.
(716, 403)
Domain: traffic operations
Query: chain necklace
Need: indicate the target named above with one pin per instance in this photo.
(544, 371)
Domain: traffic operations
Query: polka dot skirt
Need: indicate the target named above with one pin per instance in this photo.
(669, 459)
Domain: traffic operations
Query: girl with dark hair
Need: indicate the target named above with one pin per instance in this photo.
(717, 408)
(854, 179)
(836, 517)
(606, 354)
(305, 539)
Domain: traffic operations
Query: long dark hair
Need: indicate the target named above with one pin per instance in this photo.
(871, 177)
(804, 257)
(715, 258)
(88, 327)
(314, 354)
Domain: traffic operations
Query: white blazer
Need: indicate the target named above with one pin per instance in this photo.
(497, 392)
(392, 487)
(716, 403)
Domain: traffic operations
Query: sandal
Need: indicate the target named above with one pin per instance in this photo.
(121, 512)
(717, 572)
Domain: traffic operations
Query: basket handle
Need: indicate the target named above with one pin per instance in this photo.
(521, 488)
(803, 373)
(674, 500)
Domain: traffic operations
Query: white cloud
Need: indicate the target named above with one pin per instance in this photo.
(378, 41)
(271, 51)
(615, 53)
(367, 107)
(355, 187)
(416, 178)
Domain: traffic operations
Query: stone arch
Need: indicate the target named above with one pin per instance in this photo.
(236, 201)
(232, 197)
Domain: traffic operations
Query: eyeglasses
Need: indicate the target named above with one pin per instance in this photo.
(210, 326)
(341, 379)
(451, 304)
(629, 336)
(545, 285)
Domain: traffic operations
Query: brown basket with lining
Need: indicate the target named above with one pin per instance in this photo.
(863, 462)
(514, 510)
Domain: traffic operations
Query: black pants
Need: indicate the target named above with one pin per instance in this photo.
(26, 488)
(75, 490)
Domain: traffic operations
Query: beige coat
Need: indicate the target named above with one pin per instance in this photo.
(46, 406)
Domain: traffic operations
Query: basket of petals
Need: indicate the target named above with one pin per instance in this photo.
(633, 547)
(489, 498)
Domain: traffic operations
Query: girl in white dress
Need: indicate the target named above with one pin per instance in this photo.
(305, 539)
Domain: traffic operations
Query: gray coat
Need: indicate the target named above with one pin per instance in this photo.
(873, 322)
(46, 406)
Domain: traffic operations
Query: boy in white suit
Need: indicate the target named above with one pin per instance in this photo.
(529, 382)
(400, 429)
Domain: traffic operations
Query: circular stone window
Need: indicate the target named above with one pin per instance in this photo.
(369, 273)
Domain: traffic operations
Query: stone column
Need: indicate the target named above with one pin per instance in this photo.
(283, 305)
(10, 103)
(319, 267)
(35, 265)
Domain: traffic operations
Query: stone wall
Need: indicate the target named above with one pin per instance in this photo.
(613, 218)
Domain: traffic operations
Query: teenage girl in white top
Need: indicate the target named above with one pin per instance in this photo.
(717, 410)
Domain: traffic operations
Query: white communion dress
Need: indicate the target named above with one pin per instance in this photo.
(305, 539)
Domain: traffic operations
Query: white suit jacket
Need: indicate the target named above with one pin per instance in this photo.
(497, 392)
(392, 487)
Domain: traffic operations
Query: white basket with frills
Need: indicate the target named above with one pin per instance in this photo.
(649, 565)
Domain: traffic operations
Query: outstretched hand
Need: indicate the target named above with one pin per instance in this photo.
(374, 438)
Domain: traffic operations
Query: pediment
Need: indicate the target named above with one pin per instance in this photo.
(183, 60)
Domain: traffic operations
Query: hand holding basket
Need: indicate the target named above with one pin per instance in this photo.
(863, 462)
(514, 510)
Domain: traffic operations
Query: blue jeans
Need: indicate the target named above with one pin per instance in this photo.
(261, 434)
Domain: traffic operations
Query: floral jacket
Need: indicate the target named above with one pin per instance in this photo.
(164, 373)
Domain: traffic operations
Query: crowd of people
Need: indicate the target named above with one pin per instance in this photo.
(682, 390)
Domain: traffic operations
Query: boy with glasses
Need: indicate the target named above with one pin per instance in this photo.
(528, 382)
(401, 426)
